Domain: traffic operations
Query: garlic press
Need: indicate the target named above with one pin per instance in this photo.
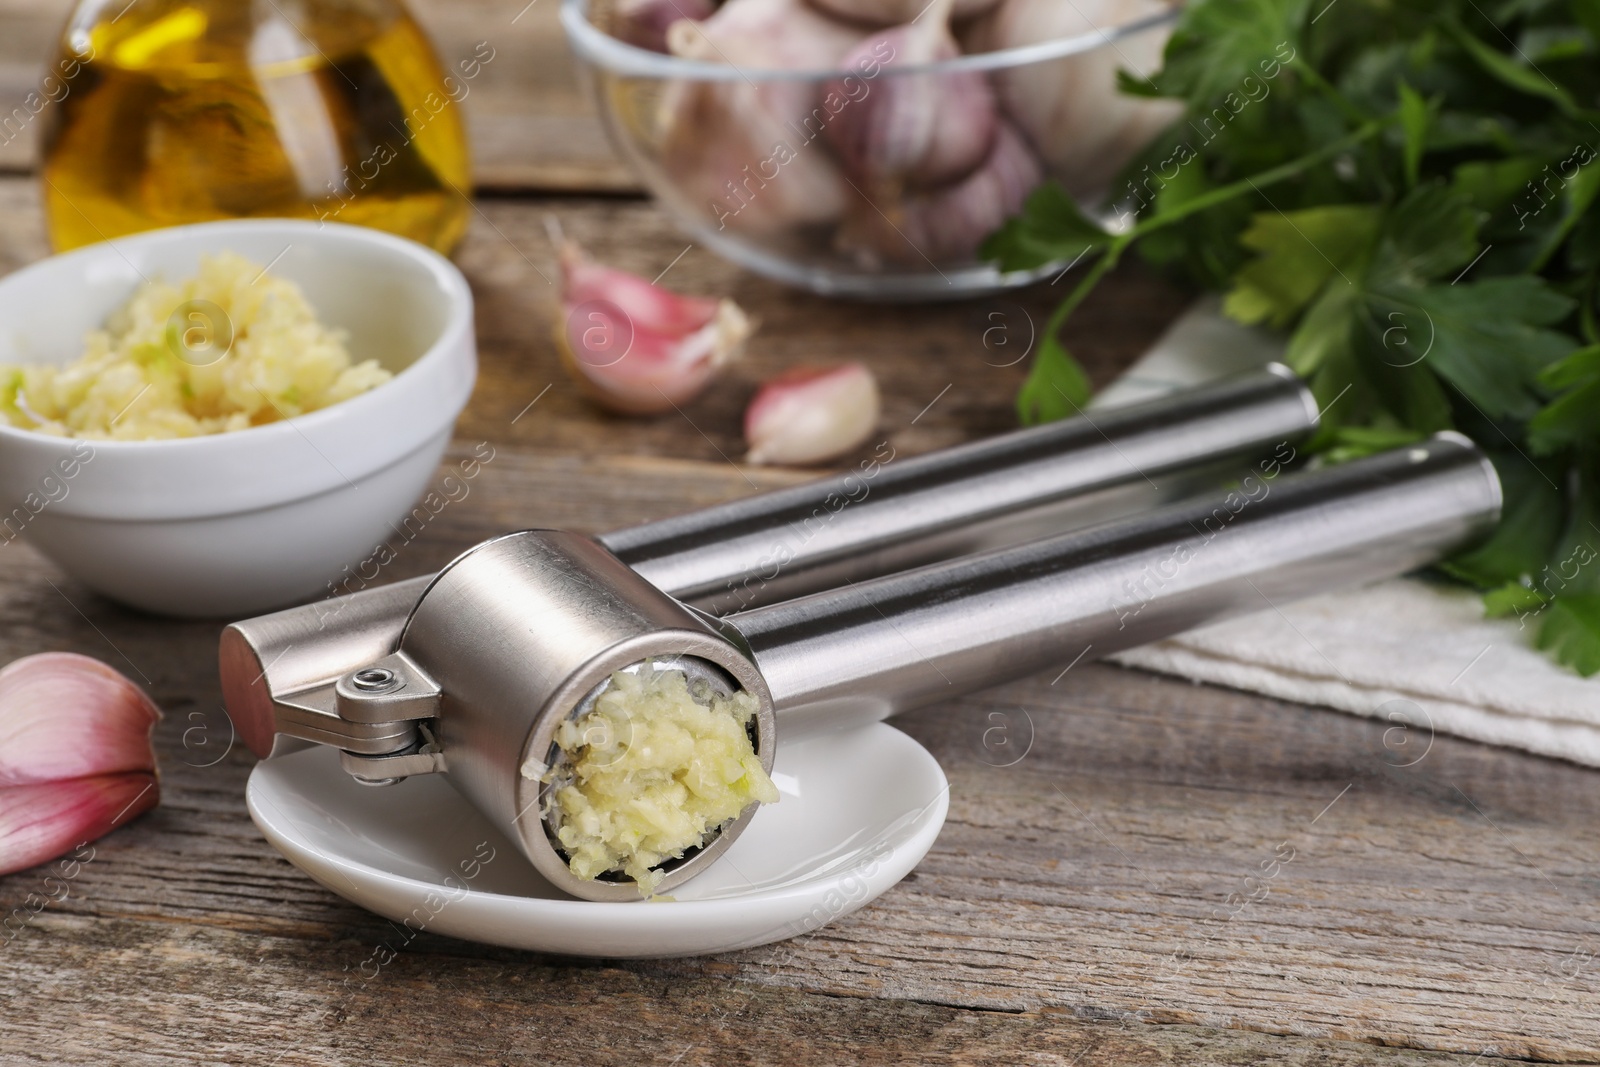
(847, 600)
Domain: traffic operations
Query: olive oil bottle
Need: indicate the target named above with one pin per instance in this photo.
(179, 111)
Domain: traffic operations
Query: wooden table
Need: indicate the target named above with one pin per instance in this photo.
(1075, 909)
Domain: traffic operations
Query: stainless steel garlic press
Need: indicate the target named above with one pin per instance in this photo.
(850, 599)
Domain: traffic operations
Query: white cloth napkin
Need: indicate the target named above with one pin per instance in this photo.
(1417, 654)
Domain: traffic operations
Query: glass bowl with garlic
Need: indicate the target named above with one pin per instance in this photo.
(866, 148)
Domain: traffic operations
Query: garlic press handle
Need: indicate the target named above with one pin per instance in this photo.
(846, 656)
(888, 514)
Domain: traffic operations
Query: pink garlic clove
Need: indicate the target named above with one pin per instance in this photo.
(945, 226)
(915, 130)
(742, 151)
(741, 156)
(636, 348)
(63, 715)
(75, 755)
(42, 821)
(896, 12)
(765, 35)
(1080, 123)
(811, 414)
(644, 22)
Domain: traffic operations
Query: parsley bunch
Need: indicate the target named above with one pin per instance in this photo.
(1407, 188)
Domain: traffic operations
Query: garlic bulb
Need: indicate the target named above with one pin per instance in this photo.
(75, 755)
(634, 347)
(945, 226)
(811, 414)
(915, 130)
(1070, 108)
(741, 151)
(765, 35)
(644, 22)
(896, 12)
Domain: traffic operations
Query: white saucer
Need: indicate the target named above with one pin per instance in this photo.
(859, 810)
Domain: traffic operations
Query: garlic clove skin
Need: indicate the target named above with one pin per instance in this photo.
(946, 226)
(643, 23)
(41, 821)
(765, 35)
(63, 715)
(896, 12)
(811, 415)
(742, 150)
(75, 755)
(733, 156)
(651, 308)
(635, 348)
(914, 130)
(1085, 130)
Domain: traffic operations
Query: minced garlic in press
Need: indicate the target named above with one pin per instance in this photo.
(650, 773)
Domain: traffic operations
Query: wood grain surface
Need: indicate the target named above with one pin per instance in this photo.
(1087, 902)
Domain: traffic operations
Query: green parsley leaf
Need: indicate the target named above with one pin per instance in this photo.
(1354, 442)
(1512, 73)
(1488, 339)
(1299, 253)
(1414, 120)
(1513, 598)
(1325, 334)
(1573, 417)
(1493, 186)
(1056, 387)
(1577, 194)
(1573, 568)
(1430, 234)
(1216, 44)
(1571, 632)
(1587, 12)
(1051, 229)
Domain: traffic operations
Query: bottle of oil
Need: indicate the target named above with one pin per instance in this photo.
(175, 111)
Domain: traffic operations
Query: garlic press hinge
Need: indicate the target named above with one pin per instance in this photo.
(392, 689)
(426, 757)
(379, 716)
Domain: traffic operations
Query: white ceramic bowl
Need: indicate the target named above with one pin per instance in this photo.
(239, 523)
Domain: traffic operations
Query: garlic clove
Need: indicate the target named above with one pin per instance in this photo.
(810, 415)
(41, 821)
(912, 129)
(63, 715)
(644, 22)
(636, 348)
(897, 12)
(1085, 129)
(742, 151)
(945, 226)
(742, 156)
(765, 35)
(649, 306)
(75, 755)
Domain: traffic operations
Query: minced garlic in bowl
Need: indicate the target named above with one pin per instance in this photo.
(651, 772)
(231, 348)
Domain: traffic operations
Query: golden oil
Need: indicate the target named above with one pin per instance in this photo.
(178, 111)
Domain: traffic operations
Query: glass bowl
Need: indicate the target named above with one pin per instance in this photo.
(756, 163)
